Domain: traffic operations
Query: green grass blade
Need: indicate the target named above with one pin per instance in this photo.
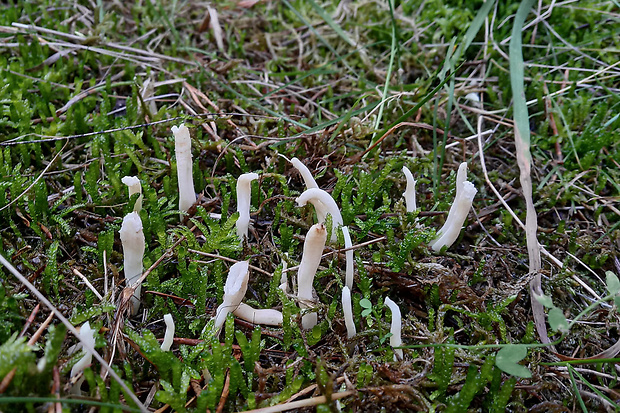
(388, 76)
(469, 36)
(449, 63)
(331, 23)
(258, 105)
(317, 34)
(347, 115)
(522, 143)
(418, 105)
(322, 70)
(444, 141)
(517, 78)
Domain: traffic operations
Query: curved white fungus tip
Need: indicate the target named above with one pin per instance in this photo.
(305, 173)
(395, 329)
(450, 231)
(310, 260)
(237, 280)
(473, 96)
(323, 204)
(266, 317)
(183, 152)
(87, 335)
(461, 175)
(169, 335)
(132, 238)
(133, 183)
(409, 194)
(244, 189)
(349, 257)
(347, 309)
(234, 291)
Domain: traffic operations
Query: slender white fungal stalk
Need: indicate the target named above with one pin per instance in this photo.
(395, 329)
(409, 193)
(323, 204)
(234, 291)
(134, 188)
(305, 173)
(169, 335)
(349, 256)
(244, 188)
(86, 335)
(284, 278)
(313, 250)
(465, 193)
(267, 317)
(183, 152)
(461, 177)
(452, 228)
(347, 309)
(132, 239)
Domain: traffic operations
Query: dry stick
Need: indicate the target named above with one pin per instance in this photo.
(499, 196)
(612, 351)
(9, 377)
(356, 246)
(225, 392)
(393, 128)
(307, 390)
(40, 330)
(129, 290)
(30, 319)
(72, 329)
(210, 103)
(56, 390)
(315, 401)
(37, 179)
(7, 380)
(206, 254)
(88, 284)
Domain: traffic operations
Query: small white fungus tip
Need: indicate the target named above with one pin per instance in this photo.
(305, 173)
(244, 193)
(395, 329)
(169, 335)
(409, 194)
(323, 204)
(130, 180)
(347, 309)
(234, 291)
(86, 335)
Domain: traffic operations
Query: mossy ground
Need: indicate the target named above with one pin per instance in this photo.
(90, 91)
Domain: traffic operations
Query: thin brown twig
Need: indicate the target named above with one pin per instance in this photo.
(221, 257)
(356, 158)
(41, 329)
(73, 330)
(225, 392)
(4, 384)
(30, 319)
(314, 401)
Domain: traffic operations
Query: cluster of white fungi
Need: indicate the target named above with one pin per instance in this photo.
(133, 242)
